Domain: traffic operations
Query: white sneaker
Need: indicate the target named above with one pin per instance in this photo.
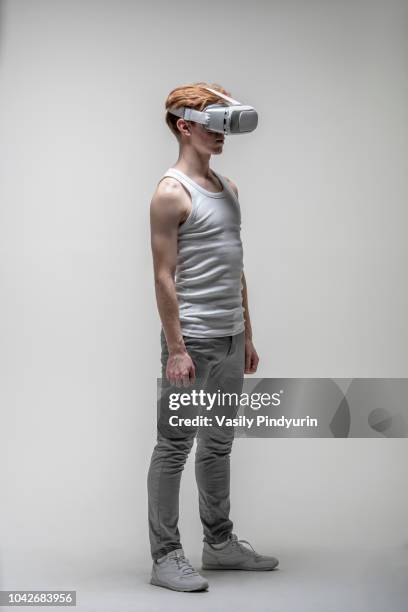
(234, 555)
(174, 571)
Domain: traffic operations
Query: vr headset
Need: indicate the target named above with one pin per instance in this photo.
(232, 119)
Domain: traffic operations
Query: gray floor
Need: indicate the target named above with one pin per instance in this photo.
(308, 580)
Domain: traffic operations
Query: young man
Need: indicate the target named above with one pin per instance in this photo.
(206, 336)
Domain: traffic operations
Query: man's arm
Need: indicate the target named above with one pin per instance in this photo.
(251, 356)
(248, 328)
(166, 211)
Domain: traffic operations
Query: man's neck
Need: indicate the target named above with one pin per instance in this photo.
(193, 163)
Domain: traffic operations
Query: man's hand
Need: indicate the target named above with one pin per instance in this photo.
(251, 357)
(180, 370)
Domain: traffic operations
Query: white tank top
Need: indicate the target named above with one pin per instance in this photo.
(209, 262)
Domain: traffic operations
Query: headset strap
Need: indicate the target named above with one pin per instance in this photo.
(221, 95)
(189, 114)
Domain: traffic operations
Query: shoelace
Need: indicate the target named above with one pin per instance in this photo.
(239, 543)
(184, 565)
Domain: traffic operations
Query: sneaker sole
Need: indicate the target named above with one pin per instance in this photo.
(244, 569)
(172, 588)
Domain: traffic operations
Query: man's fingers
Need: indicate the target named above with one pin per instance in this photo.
(174, 379)
(186, 380)
(251, 362)
(180, 372)
(189, 377)
(180, 379)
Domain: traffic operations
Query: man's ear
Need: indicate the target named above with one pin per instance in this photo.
(184, 127)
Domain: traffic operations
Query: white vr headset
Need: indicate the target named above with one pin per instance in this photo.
(232, 119)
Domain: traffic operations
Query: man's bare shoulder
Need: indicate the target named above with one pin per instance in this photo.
(168, 190)
(170, 198)
(232, 185)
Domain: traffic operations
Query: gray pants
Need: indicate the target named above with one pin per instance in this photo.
(219, 365)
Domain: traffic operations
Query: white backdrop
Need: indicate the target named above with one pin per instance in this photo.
(323, 191)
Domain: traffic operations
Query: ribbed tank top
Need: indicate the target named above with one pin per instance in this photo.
(209, 262)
